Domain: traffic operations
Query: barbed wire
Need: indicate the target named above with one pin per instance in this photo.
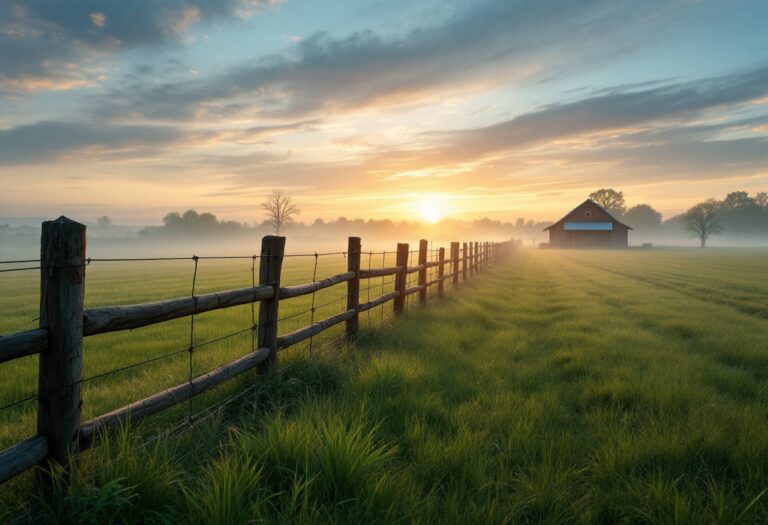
(432, 272)
(8, 270)
(192, 330)
(18, 402)
(312, 307)
(21, 261)
(368, 289)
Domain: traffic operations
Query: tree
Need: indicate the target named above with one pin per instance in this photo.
(610, 199)
(643, 217)
(738, 199)
(761, 199)
(103, 223)
(280, 209)
(702, 220)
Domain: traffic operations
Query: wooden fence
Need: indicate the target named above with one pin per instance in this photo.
(64, 322)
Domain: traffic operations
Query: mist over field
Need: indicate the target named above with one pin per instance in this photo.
(384, 262)
(743, 221)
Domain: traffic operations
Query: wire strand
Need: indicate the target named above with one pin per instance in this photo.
(312, 307)
(192, 330)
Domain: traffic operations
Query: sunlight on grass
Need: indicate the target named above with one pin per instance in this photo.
(557, 387)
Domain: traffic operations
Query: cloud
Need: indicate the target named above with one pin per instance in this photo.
(669, 131)
(252, 135)
(42, 39)
(485, 43)
(617, 110)
(46, 141)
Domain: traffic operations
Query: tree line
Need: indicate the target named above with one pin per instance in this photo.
(738, 215)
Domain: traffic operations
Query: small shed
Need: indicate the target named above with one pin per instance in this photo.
(589, 225)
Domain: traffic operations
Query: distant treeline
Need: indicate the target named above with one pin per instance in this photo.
(743, 218)
(739, 215)
(192, 223)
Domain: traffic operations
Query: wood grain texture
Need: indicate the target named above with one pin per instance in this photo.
(301, 334)
(20, 344)
(373, 303)
(62, 290)
(305, 289)
(353, 286)
(440, 271)
(115, 318)
(455, 263)
(400, 278)
(144, 408)
(270, 269)
(22, 456)
(379, 272)
(423, 265)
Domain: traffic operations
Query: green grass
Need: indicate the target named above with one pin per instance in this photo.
(559, 387)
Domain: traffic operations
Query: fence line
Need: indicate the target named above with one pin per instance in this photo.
(64, 322)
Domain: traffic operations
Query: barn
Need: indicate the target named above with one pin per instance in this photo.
(588, 225)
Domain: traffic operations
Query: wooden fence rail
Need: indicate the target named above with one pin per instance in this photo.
(64, 322)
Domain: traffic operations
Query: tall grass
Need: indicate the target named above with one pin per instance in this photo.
(552, 389)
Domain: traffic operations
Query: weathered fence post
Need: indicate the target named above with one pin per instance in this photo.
(423, 247)
(440, 271)
(476, 253)
(62, 291)
(471, 262)
(479, 257)
(400, 278)
(353, 286)
(270, 267)
(455, 262)
(464, 262)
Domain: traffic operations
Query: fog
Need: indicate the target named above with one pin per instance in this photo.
(220, 238)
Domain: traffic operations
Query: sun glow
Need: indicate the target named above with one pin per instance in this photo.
(431, 210)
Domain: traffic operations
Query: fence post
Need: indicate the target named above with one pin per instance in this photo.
(464, 262)
(476, 253)
(353, 286)
(400, 277)
(479, 257)
(471, 261)
(423, 247)
(440, 271)
(62, 290)
(455, 262)
(270, 267)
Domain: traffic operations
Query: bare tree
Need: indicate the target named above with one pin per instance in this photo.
(611, 200)
(103, 223)
(702, 220)
(280, 209)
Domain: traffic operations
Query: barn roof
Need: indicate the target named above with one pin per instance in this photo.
(582, 204)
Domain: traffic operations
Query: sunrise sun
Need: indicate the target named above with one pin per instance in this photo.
(431, 210)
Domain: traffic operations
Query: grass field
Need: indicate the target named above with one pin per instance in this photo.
(581, 387)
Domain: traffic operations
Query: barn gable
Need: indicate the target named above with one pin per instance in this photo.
(588, 225)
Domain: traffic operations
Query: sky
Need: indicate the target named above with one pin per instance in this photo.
(378, 109)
